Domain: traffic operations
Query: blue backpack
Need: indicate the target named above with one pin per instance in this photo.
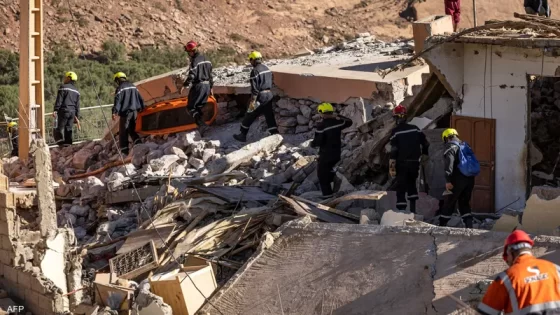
(468, 164)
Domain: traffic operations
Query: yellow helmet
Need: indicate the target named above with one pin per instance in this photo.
(11, 124)
(72, 75)
(255, 55)
(325, 108)
(119, 75)
(449, 132)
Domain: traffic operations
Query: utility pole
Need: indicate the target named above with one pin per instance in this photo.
(474, 11)
(31, 77)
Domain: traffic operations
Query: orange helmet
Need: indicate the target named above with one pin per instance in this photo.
(517, 240)
(191, 46)
(399, 111)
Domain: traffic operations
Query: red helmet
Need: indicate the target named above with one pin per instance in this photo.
(399, 110)
(191, 46)
(517, 237)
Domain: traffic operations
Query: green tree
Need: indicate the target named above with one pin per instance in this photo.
(113, 51)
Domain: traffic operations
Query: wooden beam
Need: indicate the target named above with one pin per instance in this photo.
(31, 76)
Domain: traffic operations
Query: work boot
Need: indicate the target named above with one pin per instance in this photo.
(412, 206)
(241, 137)
(468, 222)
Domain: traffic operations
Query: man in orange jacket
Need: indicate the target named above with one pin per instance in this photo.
(529, 286)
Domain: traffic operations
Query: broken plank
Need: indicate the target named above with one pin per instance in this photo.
(212, 178)
(329, 209)
(303, 208)
(116, 297)
(358, 195)
(129, 195)
(233, 194)
(139, 238)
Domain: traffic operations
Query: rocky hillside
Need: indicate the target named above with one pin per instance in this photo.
(276, 27)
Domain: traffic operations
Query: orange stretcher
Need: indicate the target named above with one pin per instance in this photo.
(171, 117)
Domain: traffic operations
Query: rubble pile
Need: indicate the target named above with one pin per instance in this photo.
(364, 46)
(545, 134)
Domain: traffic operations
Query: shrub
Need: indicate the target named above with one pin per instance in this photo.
(113, 51)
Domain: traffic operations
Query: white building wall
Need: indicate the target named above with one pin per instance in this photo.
(495, 86)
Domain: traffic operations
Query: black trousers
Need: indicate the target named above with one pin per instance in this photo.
(326, 174)
(14, 135)
(198, 97)
(127, 127)
(63, 130)
(407, 173)
(263, 109)
(461, 196)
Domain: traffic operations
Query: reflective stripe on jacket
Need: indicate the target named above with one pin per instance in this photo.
(530, 286)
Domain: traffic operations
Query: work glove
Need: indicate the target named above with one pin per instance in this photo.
(251, 106)
(424, 158)
(392, 168)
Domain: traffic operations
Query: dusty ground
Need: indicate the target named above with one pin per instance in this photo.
(275, 27)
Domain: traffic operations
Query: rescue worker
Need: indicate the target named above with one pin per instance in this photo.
(66, 109)
(529, 286)
(328, 139)
(128, 102)
(13, 133)
(459, 185)
(200, 76)
(261, 98)
(408, 147)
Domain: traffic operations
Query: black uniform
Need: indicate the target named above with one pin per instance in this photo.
(14, 137)
(128, 102)
(328, 140)
(261, 82)
(408, 143)
(200, 75)
(67, 106)
(462, 188)
(537, 7)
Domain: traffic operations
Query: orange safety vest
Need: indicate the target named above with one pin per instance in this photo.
(529, 286)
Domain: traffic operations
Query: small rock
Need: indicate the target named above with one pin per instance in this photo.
(302, 129)
(164, 163)
(176, 151)
(80, 232)
(80, 211)
(207, 154)
(155, 154)
(305, 111)
(302, 120)
(196, 163)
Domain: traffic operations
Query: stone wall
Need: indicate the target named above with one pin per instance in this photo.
(23, 281)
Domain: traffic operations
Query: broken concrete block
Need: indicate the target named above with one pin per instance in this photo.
(393, 218)
(234, 159)
(541, 217)
(55, 255)
(196, 163)
(506, 223)
(420, 122)
(207, 154)
(188, 138)
(163, 163)
(176, 151)
(93, 187)
(148, 303)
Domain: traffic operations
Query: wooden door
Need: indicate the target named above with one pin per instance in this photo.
(480, 134)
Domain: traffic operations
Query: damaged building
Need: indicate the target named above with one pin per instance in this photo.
(206, 225)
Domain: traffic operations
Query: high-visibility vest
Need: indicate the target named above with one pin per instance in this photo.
(529, 286)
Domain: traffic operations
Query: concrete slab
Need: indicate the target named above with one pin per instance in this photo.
(393, 218)
(55, 256)
(314, 268)
(541, 217)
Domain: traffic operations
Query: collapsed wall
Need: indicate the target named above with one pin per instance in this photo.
(313, 268)
(35, 267)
